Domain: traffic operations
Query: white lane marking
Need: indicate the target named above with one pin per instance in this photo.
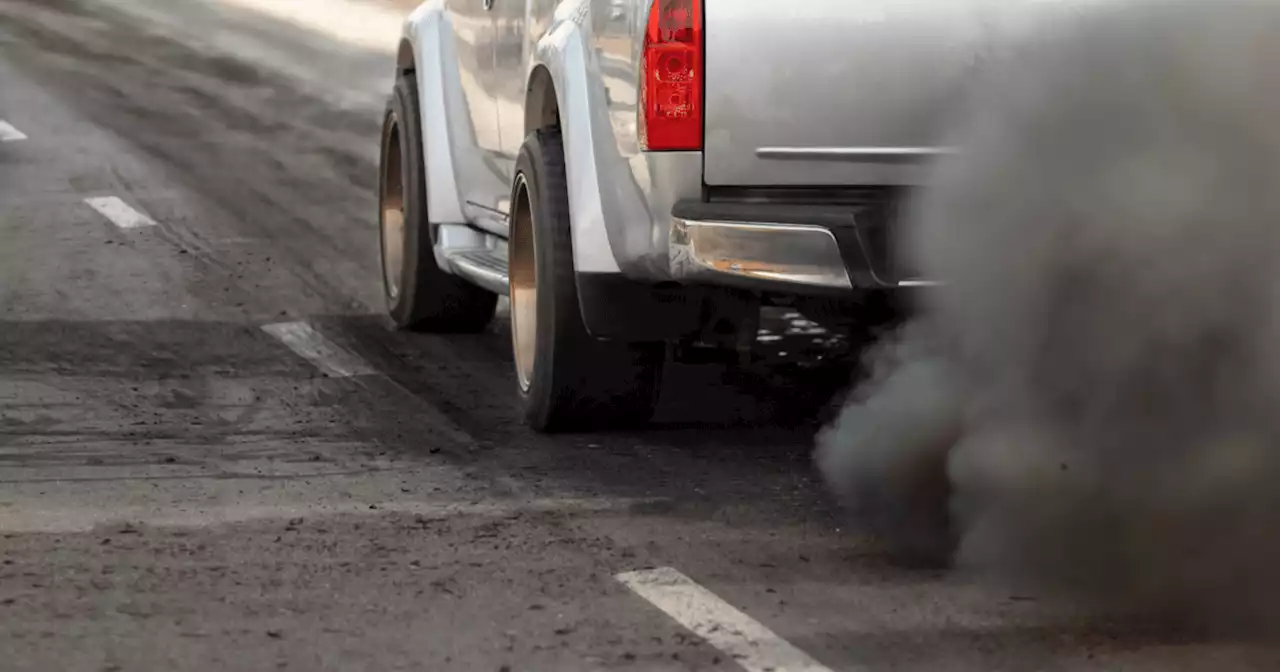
(120, 213)
(746, 640)
(10, 133)
(311, 345)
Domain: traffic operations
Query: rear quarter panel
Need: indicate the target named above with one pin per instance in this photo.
(620, 197)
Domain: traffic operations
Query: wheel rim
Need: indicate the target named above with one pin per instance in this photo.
(391, 205)
(524, 284)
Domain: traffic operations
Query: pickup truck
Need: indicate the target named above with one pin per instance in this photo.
(639, 176)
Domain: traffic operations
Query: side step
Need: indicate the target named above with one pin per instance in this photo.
(483, 266)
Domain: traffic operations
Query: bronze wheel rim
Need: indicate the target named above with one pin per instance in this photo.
(524, 284)
(391, 206)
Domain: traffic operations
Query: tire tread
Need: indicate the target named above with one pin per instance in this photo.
(594, 384)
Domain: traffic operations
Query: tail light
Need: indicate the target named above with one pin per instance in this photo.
(672, 81)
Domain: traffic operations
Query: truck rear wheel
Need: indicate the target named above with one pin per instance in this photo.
(568, 379)
(419, 295)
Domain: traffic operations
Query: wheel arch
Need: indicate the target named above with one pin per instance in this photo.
(611, 305)
(542, 107)
(559, 90)
(406, 61)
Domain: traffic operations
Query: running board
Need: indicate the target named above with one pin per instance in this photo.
(483, 266)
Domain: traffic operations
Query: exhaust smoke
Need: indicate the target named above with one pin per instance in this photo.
(1092, 401)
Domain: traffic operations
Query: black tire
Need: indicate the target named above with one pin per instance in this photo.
(426, 298)
(577, 381)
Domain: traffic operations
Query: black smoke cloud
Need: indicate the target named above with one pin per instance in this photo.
(1092, 400)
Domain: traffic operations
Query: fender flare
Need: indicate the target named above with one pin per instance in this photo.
(442, 117)
(564, 54)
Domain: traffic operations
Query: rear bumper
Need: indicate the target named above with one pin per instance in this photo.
(791, 248)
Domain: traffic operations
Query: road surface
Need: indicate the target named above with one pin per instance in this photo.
(215, 455)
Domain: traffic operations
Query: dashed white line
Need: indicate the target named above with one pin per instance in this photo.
(10, 133)
(120, 213)
(311, 345)
(752, 645)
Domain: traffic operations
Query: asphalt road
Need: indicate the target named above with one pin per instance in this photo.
(181, 490)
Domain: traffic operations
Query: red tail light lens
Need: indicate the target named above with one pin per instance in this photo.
(672, 87)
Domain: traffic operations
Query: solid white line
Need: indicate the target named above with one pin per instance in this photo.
(746, 640)
(314, 347)
(119, 212)
(10, 133)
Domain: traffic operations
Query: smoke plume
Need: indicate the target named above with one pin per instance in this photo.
(1092, 400)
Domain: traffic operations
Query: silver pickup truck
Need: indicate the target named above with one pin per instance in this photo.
(638, 175)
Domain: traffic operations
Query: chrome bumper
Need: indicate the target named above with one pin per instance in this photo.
(761, 255)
